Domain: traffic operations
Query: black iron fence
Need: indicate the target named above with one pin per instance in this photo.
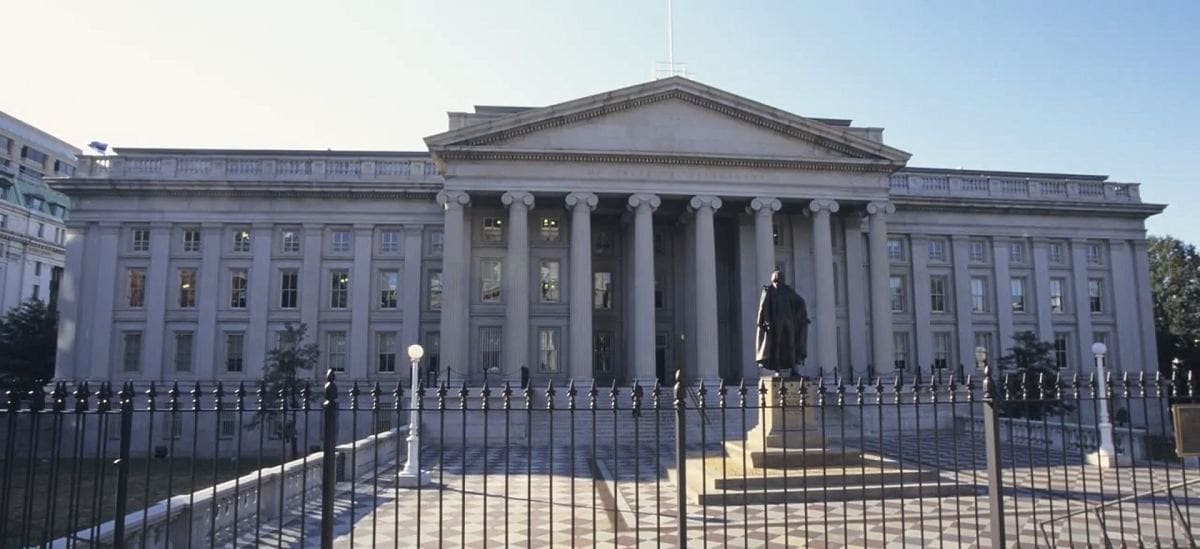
(909, 462)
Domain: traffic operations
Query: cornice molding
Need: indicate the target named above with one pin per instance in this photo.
(959, 205)
(850, 165)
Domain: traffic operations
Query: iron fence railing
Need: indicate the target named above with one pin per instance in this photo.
(789, 462)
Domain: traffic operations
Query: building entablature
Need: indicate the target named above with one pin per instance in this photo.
(983, 187)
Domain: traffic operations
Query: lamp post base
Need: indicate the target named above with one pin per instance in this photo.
(1105, 460)
(415, 479)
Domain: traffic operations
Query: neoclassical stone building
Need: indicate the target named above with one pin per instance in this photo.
(619, 236)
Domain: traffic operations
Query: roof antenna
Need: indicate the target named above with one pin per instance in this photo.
(670, 68)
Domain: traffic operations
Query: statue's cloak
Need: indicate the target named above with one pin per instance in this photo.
(781, 340)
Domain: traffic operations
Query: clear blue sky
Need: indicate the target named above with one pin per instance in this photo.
(1091, 87)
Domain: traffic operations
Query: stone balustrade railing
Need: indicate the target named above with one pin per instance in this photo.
(1071, 439)
(279, 490)
(1013, 188)
(253, 167)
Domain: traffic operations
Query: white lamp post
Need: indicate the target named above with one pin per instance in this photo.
(412, 476)
(1106, 455)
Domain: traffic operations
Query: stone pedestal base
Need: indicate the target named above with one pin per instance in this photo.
(413, 480)
(785, 424)
(1105, 460)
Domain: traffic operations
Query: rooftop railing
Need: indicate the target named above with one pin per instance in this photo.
(1014, 188)
(267, 167)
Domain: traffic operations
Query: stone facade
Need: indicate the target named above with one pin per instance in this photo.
(32, 231)
(616, 237)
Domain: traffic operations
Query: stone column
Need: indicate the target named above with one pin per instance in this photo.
(312, 278)
(1141, 269)
(455, 282)
(1004, 312)
(410, 289)
(642, 310)
(208, 300)
(919, 253)
(1124, 310)
(764, 209)
(105, 365)
(258, 341)
(1083, 311)
(516, 282)
(856, 296)
(361, 365)
(881, 303)
(580, 298)
(70, 288)
(1041, 289)
(705, 304)
(825, 320)
(964, 317)
(161, 286)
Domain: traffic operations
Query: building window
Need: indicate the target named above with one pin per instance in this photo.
(983, 349)
(141, 240)
(602, 291)
(1058, 295)
(941, 350)
(1096, 295)
(1095, 255)
(183, 351)
(389, 287)
(493, 229)
(386, 344)
(435, 290)
(237, 289)
(549, 280)
(549, 343)
(603, 242)
(131, 351)
(37, 292)
(900, 350)
(41, 232)
(1016, 252)
(937, 250)
(389, 242)
(978, 295)
(659, 297)
(489, 347)
(433, 347)
(549, 229)
(895, 250)
(437, 242)
(490, 277)
(977, 251)
(31, 154)
(335, 351)
(896, 293)
(1017, 290)
(339, 289)
(187, 288)
(234, 344)
(602, 353)
(289, 241)
(289, 289)
(1055, 251)
(339, 241)
(228, 422)
(37, 268)
(191, 240)
(241, 240)
(937, 294)
(136, 293)
(1060, 350)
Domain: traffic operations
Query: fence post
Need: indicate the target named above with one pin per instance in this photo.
(329, 434)
(126, 396)
(680, 461)
(991, 435)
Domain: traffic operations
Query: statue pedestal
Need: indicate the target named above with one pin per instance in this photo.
(786, 424)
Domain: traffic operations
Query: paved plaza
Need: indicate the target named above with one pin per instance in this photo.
(584, 503)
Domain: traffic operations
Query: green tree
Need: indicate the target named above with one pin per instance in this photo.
(1029, 371)
(1175, 287)
(282, 383)
(28, 342)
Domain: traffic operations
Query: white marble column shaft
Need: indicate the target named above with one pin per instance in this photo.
(642, 313)
(763, 209)
(208, 301)
(410, 289)
(257, 340)
(362, 364)
(455, 283)
(161, 287)
(516, 282)
(105, 365)
(580, 288)
(825, 321)
(1083, 311)
(881, 305)
(705, 304)
(1004, 312)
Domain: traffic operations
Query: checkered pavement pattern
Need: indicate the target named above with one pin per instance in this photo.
(553, 498)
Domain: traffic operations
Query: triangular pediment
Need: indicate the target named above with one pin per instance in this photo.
(673, 117)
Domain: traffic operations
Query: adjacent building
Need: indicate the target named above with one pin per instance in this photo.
(617, 237)
(32, 215)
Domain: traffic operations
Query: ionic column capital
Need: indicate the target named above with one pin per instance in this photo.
(582, 199)
(823, 205)
(650, 200)
(765, 205)
(703, 201)
(880, 208)
(517, 198)
(453, 199)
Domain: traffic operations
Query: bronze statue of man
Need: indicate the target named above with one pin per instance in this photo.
(781, 341)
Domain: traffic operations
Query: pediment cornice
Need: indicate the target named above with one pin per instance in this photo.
(718, 161)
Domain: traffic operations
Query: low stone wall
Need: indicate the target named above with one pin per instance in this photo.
(1058, 436)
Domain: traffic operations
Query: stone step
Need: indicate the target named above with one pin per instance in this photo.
(776, 458)
(834, 493)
